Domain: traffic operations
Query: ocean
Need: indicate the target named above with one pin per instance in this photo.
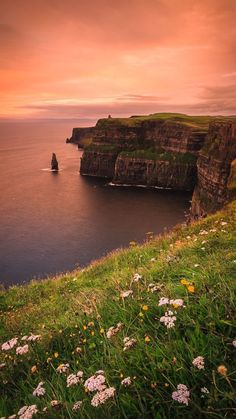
(51, 223)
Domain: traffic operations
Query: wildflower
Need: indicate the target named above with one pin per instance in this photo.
(84, 327)
(222, 370)
(11, 417)
(145, 308)
(125, 294)
(126, 382)
(21, 350)
(182, 394)
(34, 369)
(78, 349)
(184, 281)
(234, 343)
(163, 301)
(49, 360)
(153, 260)
(2, 365)
(147, 339)
(102, 331)
(96, 382)
(174, 360)
(196, 265)
(199, 362)
(113, 330)
(31, 337)
(141, 314)
(55, 403)
(204, 390)
(56, 354)
(137, 277)
(177, 303)
(77, 406)
(40, 390)
(74, 379)
(168, 319)
(90, 324)
(223, 223)
(6, 346)
(129, 343)
(102, 396)
(27, 412)
(63, 368)
(191, 288)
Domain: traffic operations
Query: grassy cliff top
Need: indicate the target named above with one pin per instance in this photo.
(199, 122)
(160, 315)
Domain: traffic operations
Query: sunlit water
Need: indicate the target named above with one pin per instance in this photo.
(52, 223)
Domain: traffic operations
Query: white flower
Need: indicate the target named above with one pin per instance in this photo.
(199, 362)
(40, 390)
(204, 390)
(168, 319)
(102, 396)
(126, 382)
(234, 343)
(182, 394)
(137, 277)
(77, 406)
(6, 346)
(55, 403)
(125, 294)
(223, 223)
(27, 412)
(21, 350)
(177, 303)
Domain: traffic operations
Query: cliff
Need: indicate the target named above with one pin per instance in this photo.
(215, 169)
(81, 136)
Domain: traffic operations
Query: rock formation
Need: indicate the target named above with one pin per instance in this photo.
(54, 162)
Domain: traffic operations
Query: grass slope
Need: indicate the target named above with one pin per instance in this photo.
(73, 313)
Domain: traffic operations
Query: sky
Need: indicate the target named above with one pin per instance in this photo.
(86, 59)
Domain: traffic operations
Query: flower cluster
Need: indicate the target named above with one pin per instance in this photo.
(168, 319)
(21, 350)
(77, 406)
(74, 379)
(63, 368)
(126, 382)
(31, 337)
(102, 396)
(96, 382)
(137, 277)
(40, 390)
(178, 302)
(129, 343)
(27, 412)
(199, 362)
(6, 346)
(112, 331)
(182, 394)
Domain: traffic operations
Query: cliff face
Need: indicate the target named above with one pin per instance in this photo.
(95, 163)
(159, 173)
(81, 136)
(215, 168)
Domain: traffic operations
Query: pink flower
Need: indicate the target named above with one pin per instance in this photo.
(74, 379)
(126, 382)
(199, 362)
(77, 406)
(168, 319)
(163, 301)
(125, 294)
(63, 368)
(182, 394)
(27, 412)
(40, 390)
(112, 331)
(129, 343)
(102, 396)
(95, 383)
(21, 350)
(6, 346)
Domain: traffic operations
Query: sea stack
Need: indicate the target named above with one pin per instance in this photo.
(54, 162)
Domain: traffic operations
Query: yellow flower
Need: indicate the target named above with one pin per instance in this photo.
(167, 384)
(56, 355)
(84, 327)
(92, 333)
(175, 305)
(49, 360)
(147, 339)
(102, 331)
(141, 314)
(34, 369)
(184, 282)
(60, 331)
(121, 375)
(191, 288)
(145, 308)
(84, 340)
(222, 370)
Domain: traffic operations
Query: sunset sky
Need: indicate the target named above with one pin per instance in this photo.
(90, 58)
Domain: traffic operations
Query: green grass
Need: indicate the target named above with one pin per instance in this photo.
(74, 310)
(102, 148)
(198, 122)
(152, 154)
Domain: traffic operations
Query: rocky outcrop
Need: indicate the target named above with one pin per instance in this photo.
(215, 169)
(54, 163)
(160, 173)
(81, 136)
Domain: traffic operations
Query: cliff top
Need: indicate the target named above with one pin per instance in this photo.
(199, 122)
(157, 319)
